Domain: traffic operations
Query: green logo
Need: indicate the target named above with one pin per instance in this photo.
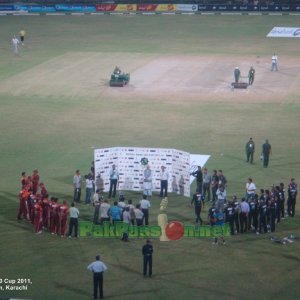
(144, 161)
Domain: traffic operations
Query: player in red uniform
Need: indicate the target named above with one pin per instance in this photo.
(54, 215)
(29, 183)
(38, 217)
(46, 212)
(23, 209)
(35, 178)
(63, 215)
(30, 204)
(23, 180)
(44, 191)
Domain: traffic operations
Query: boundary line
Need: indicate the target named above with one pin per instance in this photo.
(101, 13)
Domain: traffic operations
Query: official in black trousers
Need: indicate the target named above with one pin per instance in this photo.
(97, 267)
(147, 251)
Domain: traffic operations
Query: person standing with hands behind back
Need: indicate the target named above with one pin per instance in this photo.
(147, 251)
(251, 75)
(237, 74)
(97, 267)
(250, 148)
(164, 176)
(73, 222)
(266, 151)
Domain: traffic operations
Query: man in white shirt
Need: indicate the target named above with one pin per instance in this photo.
(250, 189)
(77, 186)
(74, 214)
(97, 267)
(96, 203)
(104, 208)
(221, 195)
(145, 205)
(164, 176)
(139, 215)
(148, 182)
(88, 188)
(274, 63)
(15, 42)
(244, 211)
(113, 177)
(126, 215)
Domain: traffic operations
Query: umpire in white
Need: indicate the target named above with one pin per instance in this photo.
(98, 267)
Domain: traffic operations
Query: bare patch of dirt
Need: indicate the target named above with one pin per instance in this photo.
(169, 78)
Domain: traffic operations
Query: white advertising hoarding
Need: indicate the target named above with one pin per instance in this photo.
(293, 32)
(131, 170)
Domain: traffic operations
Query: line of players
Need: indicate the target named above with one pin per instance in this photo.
(258, 213)
(38, 209)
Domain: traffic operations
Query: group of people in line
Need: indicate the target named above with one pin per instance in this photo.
(255, 212)
(121, 210)
(43, 212)
(49, 214)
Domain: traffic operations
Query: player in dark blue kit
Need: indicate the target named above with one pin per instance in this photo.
(262, 216)
(253, 213)
(229, 216)
(197, 201)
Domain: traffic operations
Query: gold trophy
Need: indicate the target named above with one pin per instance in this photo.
(162, 219)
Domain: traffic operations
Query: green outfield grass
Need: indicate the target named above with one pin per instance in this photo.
(57, 134)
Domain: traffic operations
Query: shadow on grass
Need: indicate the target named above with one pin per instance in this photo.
(64, 179)
(126, 268)
(136, 292)
(292, 257)
(60, 285)
(61, 196)
(8, 195)
(18, 224)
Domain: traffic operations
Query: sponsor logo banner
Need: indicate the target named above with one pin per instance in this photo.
(146, 7)
(187, 7)
(106, 7)
(21, 7)
(41, 9)
(157, 7)
(293, 32)
(6, 7)
(166, 7)
(126, 7)
(225, 7)
(77, 8)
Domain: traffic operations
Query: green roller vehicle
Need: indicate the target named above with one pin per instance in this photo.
(119, 78)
